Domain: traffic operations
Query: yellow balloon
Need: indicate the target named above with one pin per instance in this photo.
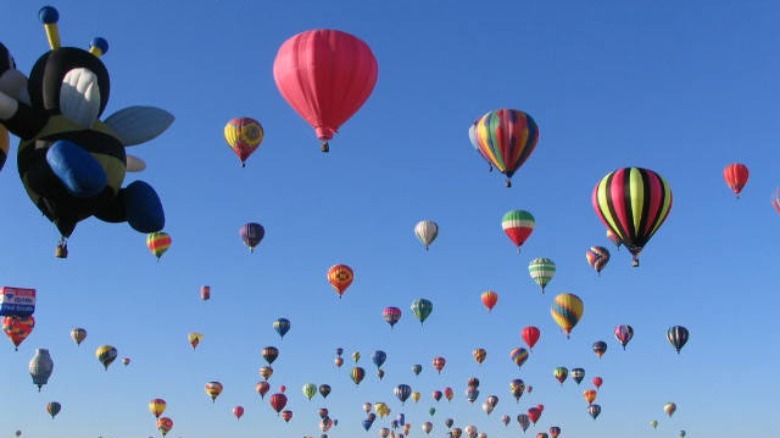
(567, 310)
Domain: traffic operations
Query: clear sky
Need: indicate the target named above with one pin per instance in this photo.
(683, 88)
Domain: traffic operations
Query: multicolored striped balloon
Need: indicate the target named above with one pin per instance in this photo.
(519, 355)
(518, 225)
(158, 243)
(624, 333)
(597, 257)
(677, 336)
(506, 138)
(633, 203)
(566, 310)
(542, 271)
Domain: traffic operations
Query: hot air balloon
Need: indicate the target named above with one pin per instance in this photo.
(589, 395)
(262, 388)
(53, 408)
(633, 203)
(270, 354)
(392, 315)
(577, 374)
(157, 407)
(736, 176)
(244, 136)
(523, 421)
(205, 293)
(624, 333)
(416, 397)
(427, 427)
(677, 336)
(597, 257)
(357, 375)
(489, 299)
(338, 361)
(252, 234)
(422, 309)
(426, 232)
(473, 381)
(309, 390)
(437, 395)
(506, 419)
(519, 356)
(238, 412)
(530, 335)
(670, 408)
(213, 389)
(402, 392)
(282, 326)
(518, 225)
(417, 369)
(78, 335)
(340, 277)
(439, 363)
(555, 431)
(654, 424)
(126, 361)
(287, 416)
(472, 393)
(379, 358)
(449, 393)
(542, 435)
(266, 372)
(597, 382)
(18, 328)
(567, 310)
(324, 390)
(41, 367)
(599, 347)
(775, 200)
(164, 425)
(682, 434)
(517, 387)
(106, 354)
(326, 76)
(534, 414)
(479, 355)
(356, 356)
(594, 411)
(542, 271)
(614, 238)
(194, 338)
(560, 374)
(449, 422)
(158, 243)
(506, 138)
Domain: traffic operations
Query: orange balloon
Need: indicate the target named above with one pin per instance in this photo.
(489, 299)
(590, 395)
(340, 277)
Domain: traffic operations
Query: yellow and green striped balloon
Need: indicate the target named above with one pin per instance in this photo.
(567, 310)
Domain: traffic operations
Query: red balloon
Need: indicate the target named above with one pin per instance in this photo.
(534, 414)
(238, 411)
(531, 335)
(287, 416)
(597, 381)
(325, 75)
(18, 328)
(262, 388)
(439, 363)
(278, 402)
(736, 176)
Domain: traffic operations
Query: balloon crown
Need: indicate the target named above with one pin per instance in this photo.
(49, 16)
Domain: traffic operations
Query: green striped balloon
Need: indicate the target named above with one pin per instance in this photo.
(542, 271)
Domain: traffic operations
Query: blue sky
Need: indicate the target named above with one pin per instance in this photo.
(680, 88)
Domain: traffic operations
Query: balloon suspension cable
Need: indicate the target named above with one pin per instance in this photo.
(61, 251)
(325, 147)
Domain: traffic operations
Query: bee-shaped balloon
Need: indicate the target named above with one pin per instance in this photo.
(71, 162)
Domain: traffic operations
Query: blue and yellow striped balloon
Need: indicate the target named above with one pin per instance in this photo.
(567, 310)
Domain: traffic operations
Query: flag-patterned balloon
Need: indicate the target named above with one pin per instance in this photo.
(518, 225)
(736, 176)
(340, 277)
(506, 138)
(677, 336)
(597, 257)
(567, 310)
(633, 203)
(577, 374)
(542, 271)
(158, 243)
